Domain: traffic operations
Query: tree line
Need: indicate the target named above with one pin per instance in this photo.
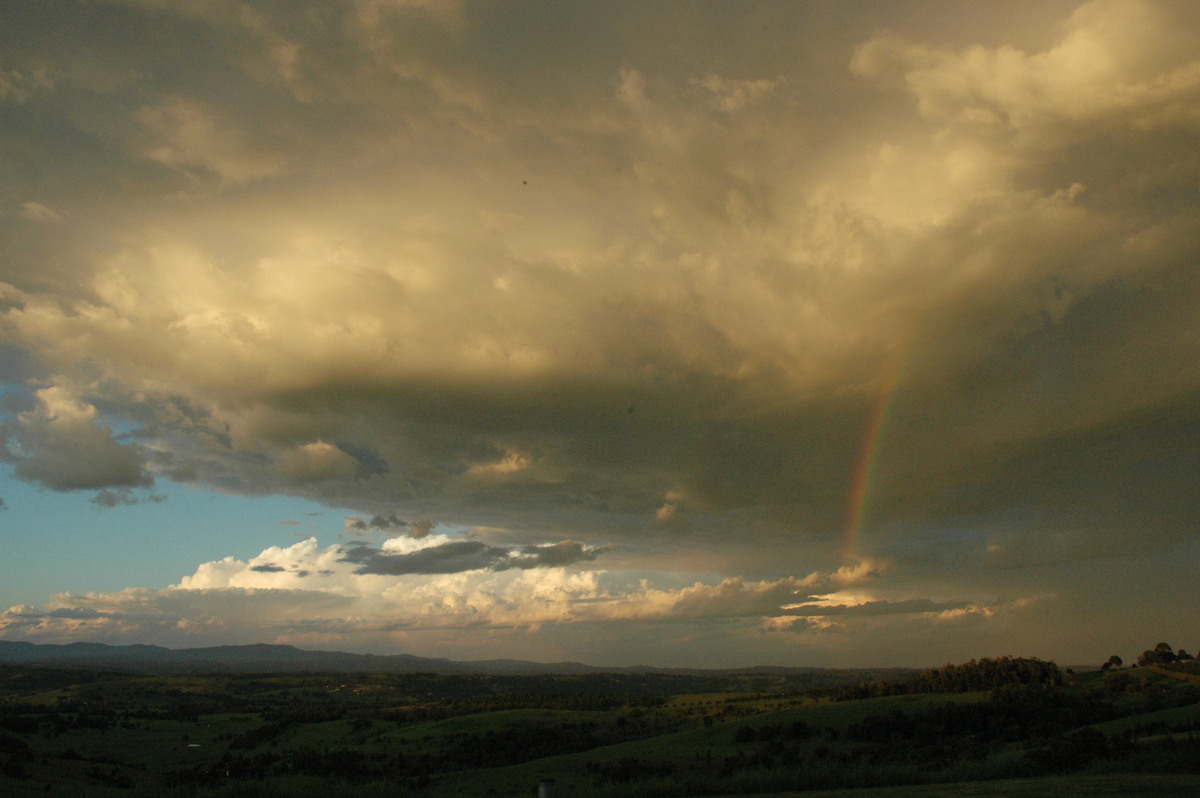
(967, 677)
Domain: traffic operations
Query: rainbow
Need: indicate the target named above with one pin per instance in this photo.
(863, 477)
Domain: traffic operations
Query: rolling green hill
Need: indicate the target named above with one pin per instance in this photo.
(1002, 727)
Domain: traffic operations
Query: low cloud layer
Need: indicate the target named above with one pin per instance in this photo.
(310, 594)
(389, 523)
(744, 293)
(466, 555)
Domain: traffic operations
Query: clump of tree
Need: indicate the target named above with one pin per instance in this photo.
(987, 674)
(1162, 654)
(968, 677)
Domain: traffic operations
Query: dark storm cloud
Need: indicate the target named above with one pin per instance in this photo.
(267, 568)
(65, 451)
(1004, 227)
(556, 555)
(468, 555)
(390, 524)
(689, 278)
(420, 529)
(446, 558)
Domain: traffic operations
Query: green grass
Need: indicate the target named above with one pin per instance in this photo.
(1117, 785)
(687, 745)
(699, 749)
(1170, 716)
(384, 735)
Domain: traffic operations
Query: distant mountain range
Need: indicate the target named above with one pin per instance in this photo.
(258, 657)
(262, 658)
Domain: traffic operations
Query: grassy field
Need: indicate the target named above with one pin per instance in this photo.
(1118, 785)
(273, 736)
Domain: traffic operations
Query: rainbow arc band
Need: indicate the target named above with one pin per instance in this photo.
(862, 480)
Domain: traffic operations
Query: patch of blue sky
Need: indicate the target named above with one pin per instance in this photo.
(53, 542)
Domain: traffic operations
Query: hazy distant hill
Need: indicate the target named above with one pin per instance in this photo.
(263, 658)
(257, 657)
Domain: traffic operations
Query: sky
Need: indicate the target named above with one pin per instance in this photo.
(674, 333)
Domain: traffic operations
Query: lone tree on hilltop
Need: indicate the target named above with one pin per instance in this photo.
(1114, 663)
